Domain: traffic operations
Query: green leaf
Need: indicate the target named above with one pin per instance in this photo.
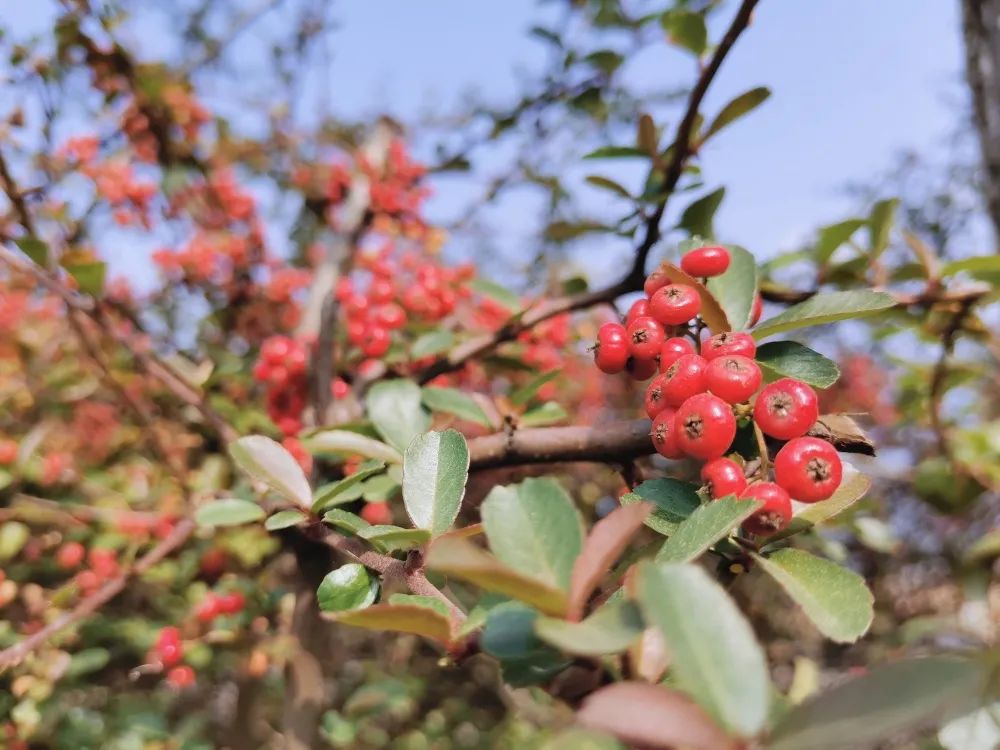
(525, 393)
(736, 289)
(328, 496)
(548, 413)
(831, 237)
(266, 461)
(401, 618)
(852, 488)
(880, 223)
(646, 137)
(37, 250)
(736, 108)
(496, 293)
(13, 536)
(686, 29)
(609, 630)
(605, 60)
(582, 739)
(284, 519)
(435, 469)
(834, 598)
(826, 308)
(350, 586)
(395, 409)
(345, 520)
(87, 661)
(712, 313)
(535, 528)
(715, 657)
(888, 700)
(979, 266)
(697, 218)
(431, 343)
(89, 276)
(779, 359)
(617, 152)
(461, 559)
(707, 525)
(454, 401)
(608, 184)
(418, 600)
(347, 443)
(379, 488)
(229, 512)
(563, 231)
(510, 637)
(674, 500)
(387, 538)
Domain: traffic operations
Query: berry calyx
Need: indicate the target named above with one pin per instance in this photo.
(773, 515)
(611, 349)
(664, 434)
(729, 343)
(673, 349)
(786, 409)
(706, 261)
(733, 378)
(808, 468)
(705, 426)
(645, 337)
(653, 401)
(723, 477)
(674, 304)
(683, 379)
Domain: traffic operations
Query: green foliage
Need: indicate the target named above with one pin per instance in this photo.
(435, 469)
(394, 407)
(266, 461)
(789, 359)
(228, 512)
(707, 525)
(348, 587)
(737, 288)
(825, 308)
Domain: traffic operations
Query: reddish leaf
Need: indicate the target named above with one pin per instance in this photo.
(652, 716)
(601, 548)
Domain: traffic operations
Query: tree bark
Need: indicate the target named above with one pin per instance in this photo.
(981, 30)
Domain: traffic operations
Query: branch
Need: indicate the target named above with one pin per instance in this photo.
(15, 654)
(680, 152)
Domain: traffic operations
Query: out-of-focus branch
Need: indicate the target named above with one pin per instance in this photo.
(936, 391)
(89, 605)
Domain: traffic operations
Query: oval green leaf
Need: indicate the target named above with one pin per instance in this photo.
(780, 359)
(609, 630)
(329, 495)
(736, 289)
(435, 469)
(347, 587)
(284, 519)
(395, 409)
(346, 442)
(826, 308)
(229, 512)
(266, 461)
(708, 524)
(454, 401)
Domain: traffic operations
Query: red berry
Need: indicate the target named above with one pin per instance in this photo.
(656, 280)
(808, 468)
(773, 515)
(641, 369)
(356, 331)
(339, 388)
(381, 290)
(675, 304)
(705, 426)
(181, 677)
(645, 337)
(70, 555)
(376, 343)
(664, 434)
(734, 379)
(356, 306)
(706, 261)
(390, 315)
(8, 452)
(731, 342)
(377, 513)
(208, 609)
(231, 603)
(168, 647)
(672, 350)
(639, 309)
(723, 477)
(611, 350)
(756, 310)
(654, 397)
(683, 379)
(786, 409)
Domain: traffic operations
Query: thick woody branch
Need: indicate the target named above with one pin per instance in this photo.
(89, 605)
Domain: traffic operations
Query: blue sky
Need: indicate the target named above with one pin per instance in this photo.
(853, 81)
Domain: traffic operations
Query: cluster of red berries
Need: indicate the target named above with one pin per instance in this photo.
(698, 396)
(216, 605)
(168, 650)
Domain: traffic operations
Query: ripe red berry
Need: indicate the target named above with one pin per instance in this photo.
(208, 609)
(808, 468)
(231, 603)
(168, 647)
(377, 513)
(654, 402)
(786, 409)
(645, 337)
(723, 477)
(705, 426)
(773, 515)
(181, 677)
(611, 350)
(639, 309)
(664, 434)
(356, 306)
(8, 452)
(675, 304)
(656, 280)
(756, 310)
(339, 388)
(641, 369)
(706, 261)
(734, 379)
(70, 555)
(673, 349)
(381, 290)
(683, 379)
(390, 315)
(729, 343)
(376, 342)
